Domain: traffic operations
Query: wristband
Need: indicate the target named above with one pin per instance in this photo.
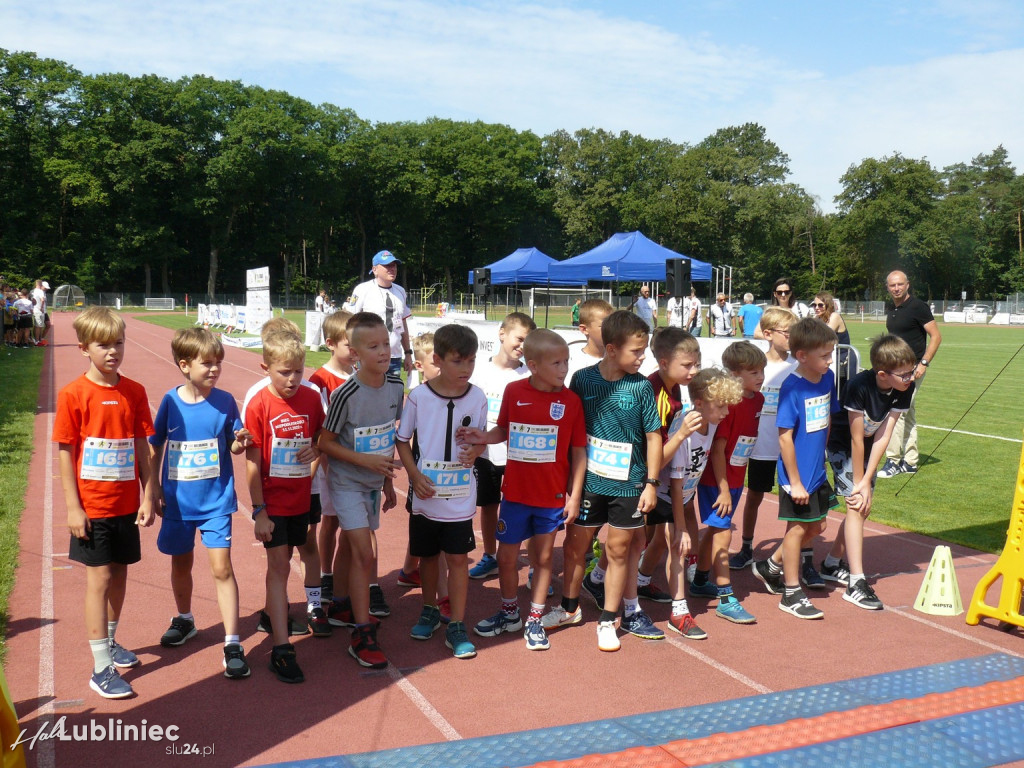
(652, 481)
(408, 351)
(257, 508)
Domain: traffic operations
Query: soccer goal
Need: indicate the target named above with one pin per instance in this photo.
(559, 300)
(158, 303)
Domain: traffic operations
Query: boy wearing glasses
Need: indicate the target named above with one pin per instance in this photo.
(872, 404)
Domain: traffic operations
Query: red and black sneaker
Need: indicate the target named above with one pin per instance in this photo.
(318, 623)
(364, 648)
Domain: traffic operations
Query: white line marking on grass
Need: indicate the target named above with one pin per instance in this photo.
(45, 756)
(725, 670)
(954, 632)
(422, 704)
(972, 434)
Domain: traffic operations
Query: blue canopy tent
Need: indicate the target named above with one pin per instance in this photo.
(623, 256)
(525, 266)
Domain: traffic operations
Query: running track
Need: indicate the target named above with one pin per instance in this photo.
(426, 696)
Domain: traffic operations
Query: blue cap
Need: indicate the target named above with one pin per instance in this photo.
(383, 258)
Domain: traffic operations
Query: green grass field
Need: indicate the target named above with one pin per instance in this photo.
(964, 490)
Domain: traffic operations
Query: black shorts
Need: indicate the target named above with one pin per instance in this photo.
(315, 510)
(761, 475)
(662, 513)
(24, 322)
(111, 540)
(617, 511)
(289, 530)
(429, 538)
(488, 482)
(814, 510)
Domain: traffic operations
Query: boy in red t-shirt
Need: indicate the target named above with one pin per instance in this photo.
(101, 427)
(721, 486)
(284, 418)
(543, 485)
(334, 556)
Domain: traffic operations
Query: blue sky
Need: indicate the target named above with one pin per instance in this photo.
(832, 82)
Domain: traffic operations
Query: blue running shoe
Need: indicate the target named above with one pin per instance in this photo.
(536, 637)
(486, 568)
(109, 684)
(122, 657)
(455, 637)
(703, 590)
(640, 625)
(498, 623)
(730, 609)
(430, 619)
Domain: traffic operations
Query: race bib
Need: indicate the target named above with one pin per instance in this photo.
(284, 457)
(677, 420)
(109, 461)
(532, 443)
(493, 407)
(816, 412)
(741, 452)
(689, 486)
(771, 401)
(451, 480)
(379, 439)
(870, 427)
(608, 459)
(189, 460)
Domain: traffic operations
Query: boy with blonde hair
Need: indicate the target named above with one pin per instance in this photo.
(775, 324)
(806, 402)
(873, 401)
(592, 315)
(492, 377)
(284, 418)
(721, 485)
(101, 426)
(200, 427)
(543, 485)
(711, 391)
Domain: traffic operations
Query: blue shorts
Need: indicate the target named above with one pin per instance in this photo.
(519, 522)
(178, 537)
(708, 495)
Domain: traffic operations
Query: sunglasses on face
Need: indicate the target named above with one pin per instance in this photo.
(817, 304)
(783, 293)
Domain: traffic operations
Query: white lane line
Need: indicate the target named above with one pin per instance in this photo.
(956, 633)
(422, 704)
(725, 670)
(45, 755)
(972, 434)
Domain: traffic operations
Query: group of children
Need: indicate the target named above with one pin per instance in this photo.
(607, 446)
(24, 315)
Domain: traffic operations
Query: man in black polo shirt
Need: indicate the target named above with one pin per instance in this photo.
(911, 320)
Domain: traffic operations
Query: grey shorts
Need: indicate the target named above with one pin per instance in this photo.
(356, 509)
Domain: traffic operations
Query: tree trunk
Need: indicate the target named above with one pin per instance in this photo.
(149, 278)
(165, 280)
(211, 279)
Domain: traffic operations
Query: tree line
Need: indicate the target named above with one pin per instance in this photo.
(121, 183)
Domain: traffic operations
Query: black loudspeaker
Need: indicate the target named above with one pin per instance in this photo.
(481, 281)
(677, 276)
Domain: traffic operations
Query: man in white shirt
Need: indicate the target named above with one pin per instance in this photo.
(384, 297)
(674, 311)
(693, 319)
(646, 307)
(720, 317)
(40, 320)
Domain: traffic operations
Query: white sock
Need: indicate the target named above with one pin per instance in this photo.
(312, 597)
(831, 562)
(855, 577)
(229, 639)
(630, 606)
(111, 629)
(597, 575)
(679, 607)
(187, 616)
(642, 580)
(100, 654)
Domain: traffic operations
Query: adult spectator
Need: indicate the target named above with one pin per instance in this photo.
(720, 317)
(674, 310)
(40, 318)
(646, 307)
(320, 302)
(782, 296)
(749, 315)
(910, 319)
(824, 307)
(384, 297)
(694, 319)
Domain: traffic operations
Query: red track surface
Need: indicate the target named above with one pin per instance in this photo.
(427, 696)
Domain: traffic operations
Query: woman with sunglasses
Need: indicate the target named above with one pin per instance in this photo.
(824, 306)
(782, 296)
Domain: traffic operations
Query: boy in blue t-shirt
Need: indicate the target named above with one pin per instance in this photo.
(198, 424)
(806, 401)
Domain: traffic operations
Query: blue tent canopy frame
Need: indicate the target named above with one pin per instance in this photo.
(624, 256)
(525, 266)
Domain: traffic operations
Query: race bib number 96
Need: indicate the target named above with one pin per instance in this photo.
(379, 439)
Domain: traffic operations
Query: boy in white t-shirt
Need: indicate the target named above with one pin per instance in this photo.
(492, 377)
(592, 315)
(443, 480)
